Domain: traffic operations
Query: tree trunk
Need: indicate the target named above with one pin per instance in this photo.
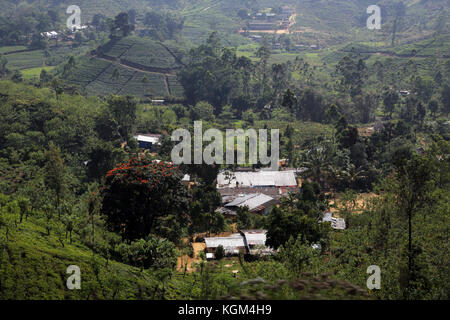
(409, 242)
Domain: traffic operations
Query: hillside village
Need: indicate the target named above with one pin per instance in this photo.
(93, 111)
(257, 190)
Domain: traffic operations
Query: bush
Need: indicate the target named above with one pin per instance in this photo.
(219, 253)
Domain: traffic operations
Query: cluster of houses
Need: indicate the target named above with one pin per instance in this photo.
(259, 190)
(54, 35)
(271, 21)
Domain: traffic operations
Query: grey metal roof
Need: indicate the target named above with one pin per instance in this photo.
(255, 237)
(228, 243)
(226, 211)
(336, 223)
(252, 201)
(258, 179)
(229, 194)
(241, 199)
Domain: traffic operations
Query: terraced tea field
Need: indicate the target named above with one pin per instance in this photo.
(143, 53)
(102, 77)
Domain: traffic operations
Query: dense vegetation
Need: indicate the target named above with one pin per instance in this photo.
(367, 114)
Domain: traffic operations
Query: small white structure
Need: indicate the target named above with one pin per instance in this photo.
(404, 92)
(147, 141)
(78, 28)
(336, 223)
(232, 244)
(50, 35)
(248, 241)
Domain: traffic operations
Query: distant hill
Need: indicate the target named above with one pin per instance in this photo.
(131, 65)
(333, 21)
(33, 266)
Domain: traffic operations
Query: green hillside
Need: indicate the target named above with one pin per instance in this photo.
(33, 266)
(361, 127)
(132, 65)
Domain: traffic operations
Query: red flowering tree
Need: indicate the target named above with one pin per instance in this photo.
(144, 196)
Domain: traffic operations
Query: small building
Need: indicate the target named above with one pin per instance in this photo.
(232, 244)
(255, 241)
(50, 35)
(261, 26)
(257, 179)
(187, 181)
(336, 223)
(148, 141)
(251, 242)
(256, 203)
(79, 28)
(404, 93)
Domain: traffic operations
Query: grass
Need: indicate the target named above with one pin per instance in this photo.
(34, 73)
(26, 60)
(33, 266)
(136, 59)
(7, 49)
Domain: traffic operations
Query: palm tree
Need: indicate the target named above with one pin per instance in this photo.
(318, 161)
(347, 176)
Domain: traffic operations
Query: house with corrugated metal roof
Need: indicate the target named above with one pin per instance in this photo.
(251, 242)
(148, 140)
(256, 203)
(255, 241)
(257, 179)
(232, 244)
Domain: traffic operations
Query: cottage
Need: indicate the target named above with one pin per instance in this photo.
(256, 203)
(50, 35)
(232, 244)
(251, 242)
(336, 223)
(255, 241)
(148, 141)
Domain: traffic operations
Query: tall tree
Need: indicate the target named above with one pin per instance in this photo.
(415, 180)
(55, 174)
(142, 197)
(390, 100)
(123, 109)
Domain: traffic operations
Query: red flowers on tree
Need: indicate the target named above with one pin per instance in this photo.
(143, 196)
